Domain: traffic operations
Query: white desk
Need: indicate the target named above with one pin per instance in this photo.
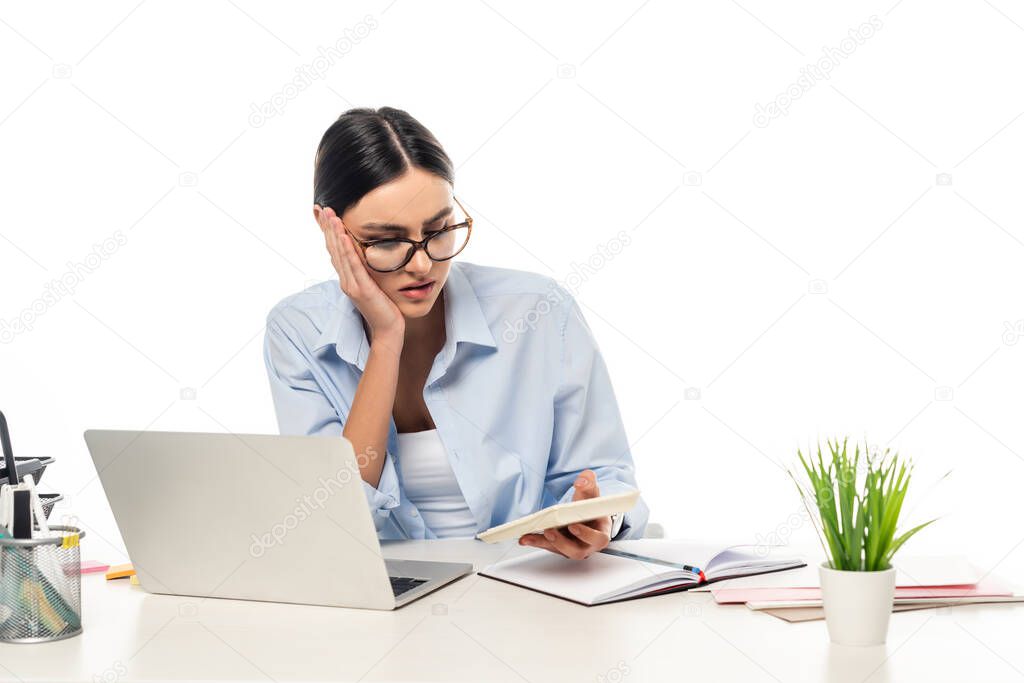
(478, 629)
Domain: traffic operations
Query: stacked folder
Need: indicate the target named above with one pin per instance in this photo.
(921, 583)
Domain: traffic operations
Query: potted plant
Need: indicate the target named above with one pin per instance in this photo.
(858, 502)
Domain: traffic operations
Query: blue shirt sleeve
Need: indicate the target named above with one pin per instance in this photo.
(588, 429)
(302, 409)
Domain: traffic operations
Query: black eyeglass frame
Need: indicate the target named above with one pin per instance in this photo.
(421, 244)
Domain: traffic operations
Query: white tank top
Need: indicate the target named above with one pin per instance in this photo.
(430, 484)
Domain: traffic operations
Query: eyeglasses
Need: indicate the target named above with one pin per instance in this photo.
(388, 255)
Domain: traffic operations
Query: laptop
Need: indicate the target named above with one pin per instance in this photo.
(253, 517)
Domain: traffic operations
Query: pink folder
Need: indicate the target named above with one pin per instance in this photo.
(987, 587)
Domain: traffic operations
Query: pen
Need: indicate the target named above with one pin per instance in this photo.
(654, 560)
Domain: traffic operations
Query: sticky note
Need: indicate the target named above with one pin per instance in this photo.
(120, 571)
(134, 579)
(92, 567)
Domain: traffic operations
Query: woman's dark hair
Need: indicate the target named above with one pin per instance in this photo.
(366, 148)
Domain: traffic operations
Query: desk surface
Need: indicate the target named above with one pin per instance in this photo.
(478, 629)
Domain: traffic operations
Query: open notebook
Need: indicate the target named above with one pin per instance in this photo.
(617, 574)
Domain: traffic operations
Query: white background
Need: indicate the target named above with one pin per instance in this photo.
(803, 279)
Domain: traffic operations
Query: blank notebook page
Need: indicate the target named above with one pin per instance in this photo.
(580, 580)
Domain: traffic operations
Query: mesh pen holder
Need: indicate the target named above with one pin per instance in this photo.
(41, 587)
(49, 500)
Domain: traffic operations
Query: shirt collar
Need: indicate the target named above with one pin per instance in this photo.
(464, 321)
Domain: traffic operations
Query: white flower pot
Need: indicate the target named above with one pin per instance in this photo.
(857, 604)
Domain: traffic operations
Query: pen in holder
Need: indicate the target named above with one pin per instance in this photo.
(40, 586)
(40, 565)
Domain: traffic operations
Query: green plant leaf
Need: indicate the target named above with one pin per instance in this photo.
(898, 543)
(858, 500)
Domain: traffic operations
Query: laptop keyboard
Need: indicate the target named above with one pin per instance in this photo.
(401, 584)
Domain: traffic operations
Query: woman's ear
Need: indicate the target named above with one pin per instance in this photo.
(317, 215)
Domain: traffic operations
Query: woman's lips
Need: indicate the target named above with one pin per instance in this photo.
(418, 293)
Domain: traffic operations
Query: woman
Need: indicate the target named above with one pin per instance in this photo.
(472, 395)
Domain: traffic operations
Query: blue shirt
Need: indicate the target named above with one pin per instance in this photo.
(519, 394)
